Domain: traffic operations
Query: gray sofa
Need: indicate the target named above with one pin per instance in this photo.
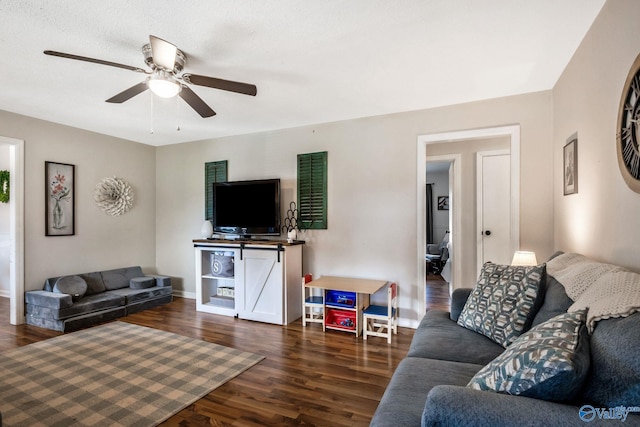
(69, 303)
(429, 386)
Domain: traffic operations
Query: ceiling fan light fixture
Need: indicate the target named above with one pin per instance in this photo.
(163, 85)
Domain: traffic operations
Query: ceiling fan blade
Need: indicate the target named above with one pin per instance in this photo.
(196, 102)
(231, 86)
(129, 93)
(163, 52)
(95, 61)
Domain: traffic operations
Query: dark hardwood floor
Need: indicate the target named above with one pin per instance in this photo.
(308, 377)
(437, 293)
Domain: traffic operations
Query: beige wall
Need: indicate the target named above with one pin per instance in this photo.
(603, 219)
(372, 188)
(100, 241)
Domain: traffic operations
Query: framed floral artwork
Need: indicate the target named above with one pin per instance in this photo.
(59, 189)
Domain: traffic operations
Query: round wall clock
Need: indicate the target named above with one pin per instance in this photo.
(628, 130)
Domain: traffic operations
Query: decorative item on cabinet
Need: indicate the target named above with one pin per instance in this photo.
(291, 223)
(207, 230)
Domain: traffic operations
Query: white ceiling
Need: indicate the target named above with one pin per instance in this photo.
(312, 61)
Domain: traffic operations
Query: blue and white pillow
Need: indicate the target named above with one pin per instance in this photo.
(504, 301)
(549, 362)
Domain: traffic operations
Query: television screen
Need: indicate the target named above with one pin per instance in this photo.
(247, 208)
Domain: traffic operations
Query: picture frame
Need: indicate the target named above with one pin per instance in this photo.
(443, 203)
(59, 191)
(570, 166)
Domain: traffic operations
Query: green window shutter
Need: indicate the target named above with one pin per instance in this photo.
(312, 191)
(213, 172)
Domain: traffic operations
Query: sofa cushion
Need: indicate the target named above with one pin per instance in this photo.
(449, 405)
(403, 400)
(86, 304)
(135, 295)
(504, 301)
(145, 282)
(549, 362)
(48, 299)
(120, 277)
(95, 285)
(71, 285)
(615, 358)
(556, 301)
(439, 337)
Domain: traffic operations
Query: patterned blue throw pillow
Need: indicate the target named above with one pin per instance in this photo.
(504, 301)
(549, 362)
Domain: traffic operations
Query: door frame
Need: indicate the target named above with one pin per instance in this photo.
(513, 132)
(16, 229)
(480, 155)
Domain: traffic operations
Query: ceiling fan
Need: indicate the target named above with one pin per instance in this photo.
(166, 61)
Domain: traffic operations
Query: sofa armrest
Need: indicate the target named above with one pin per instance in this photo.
(161, 280)
(48, 299)
(458, 299)
(448, 405)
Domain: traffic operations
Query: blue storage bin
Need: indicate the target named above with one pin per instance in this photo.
(341, 299)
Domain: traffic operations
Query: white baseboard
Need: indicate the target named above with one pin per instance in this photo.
(4, 294)
(183, 294)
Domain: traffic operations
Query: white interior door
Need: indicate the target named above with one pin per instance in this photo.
(494, 207)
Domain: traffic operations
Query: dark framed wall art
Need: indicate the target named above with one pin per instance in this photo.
(59, 190)
(443, 203)
(570, 165)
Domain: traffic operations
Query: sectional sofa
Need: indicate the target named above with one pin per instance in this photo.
(575, 360)
(72, 302)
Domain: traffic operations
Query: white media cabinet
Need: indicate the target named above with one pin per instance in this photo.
(264, 284)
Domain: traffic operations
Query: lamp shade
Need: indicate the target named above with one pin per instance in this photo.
(524, 258)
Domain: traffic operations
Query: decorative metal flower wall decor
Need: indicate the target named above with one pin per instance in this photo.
(114, 196)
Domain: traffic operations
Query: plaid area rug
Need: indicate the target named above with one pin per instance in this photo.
(116, 374)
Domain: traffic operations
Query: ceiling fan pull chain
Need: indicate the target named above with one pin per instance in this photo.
(151, 112)
(177, 114)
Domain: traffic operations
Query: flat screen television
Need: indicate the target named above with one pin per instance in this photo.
(247, 208)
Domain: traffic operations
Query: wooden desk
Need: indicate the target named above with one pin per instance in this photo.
(363, 288)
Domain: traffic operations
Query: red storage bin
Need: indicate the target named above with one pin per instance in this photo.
(341, 319)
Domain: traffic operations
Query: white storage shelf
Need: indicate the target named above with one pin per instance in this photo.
(264, 286)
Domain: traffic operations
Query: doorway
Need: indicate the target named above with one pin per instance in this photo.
(438, 209)
(512, 133)
(16, 229)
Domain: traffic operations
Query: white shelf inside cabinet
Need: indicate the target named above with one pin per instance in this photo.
(211, 276)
